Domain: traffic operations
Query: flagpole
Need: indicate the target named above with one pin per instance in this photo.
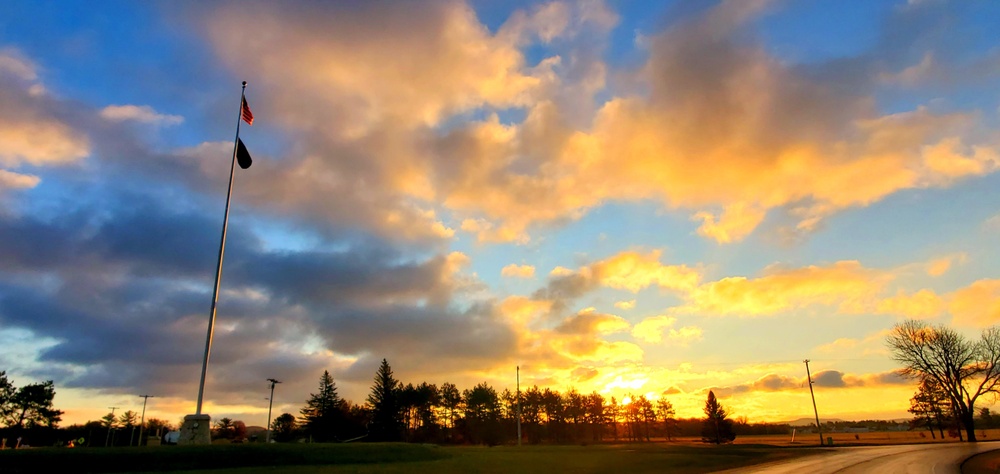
(222, 251)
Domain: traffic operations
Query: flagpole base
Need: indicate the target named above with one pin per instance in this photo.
(195, 430)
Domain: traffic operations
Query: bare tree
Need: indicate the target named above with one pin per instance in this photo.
(963, 369)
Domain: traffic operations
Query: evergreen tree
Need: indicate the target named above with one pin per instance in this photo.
(223, 429)
(717, 427)
(451, 400)
(386, 423)
(323, 411)
(482, 414)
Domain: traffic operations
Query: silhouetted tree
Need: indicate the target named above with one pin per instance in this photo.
(323, 411)
(28, 406)
(717, 427)
(157, 427)
(386, 423)
(7, 392)
(665, 410)
(595, 415)
(614, 412)
(987, 419)
(451, 401)
(531, 414)
(482, 414)
(128, 419)
(223, 429)
(283, 427)
(963, 369)
(239, 430)
(929, 405)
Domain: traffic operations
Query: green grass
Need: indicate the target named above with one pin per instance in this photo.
(396, 458)
(186, 458)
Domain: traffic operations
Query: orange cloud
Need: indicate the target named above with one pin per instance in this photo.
(976, 305)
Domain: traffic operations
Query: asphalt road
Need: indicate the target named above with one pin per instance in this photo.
(910, 459)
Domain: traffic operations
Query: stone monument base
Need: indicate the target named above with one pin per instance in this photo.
(195, 430)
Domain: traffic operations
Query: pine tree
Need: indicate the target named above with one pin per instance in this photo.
(323, 411)
(717, 427)
(386, 424)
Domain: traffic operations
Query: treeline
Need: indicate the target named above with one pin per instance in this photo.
(429, 413)
(394, 411)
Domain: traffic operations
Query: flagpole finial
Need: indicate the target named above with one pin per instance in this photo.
(244, 83)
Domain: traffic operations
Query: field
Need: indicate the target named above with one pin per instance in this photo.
(685, 455)
(395, 458)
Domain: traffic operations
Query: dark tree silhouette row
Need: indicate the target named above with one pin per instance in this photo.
(482, 415)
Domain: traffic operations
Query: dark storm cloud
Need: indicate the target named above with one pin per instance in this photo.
(128, 292)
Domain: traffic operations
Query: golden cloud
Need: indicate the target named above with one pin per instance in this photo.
(845, 284)
(923, 304)
(625, 304)
(730, 139)
(654, 329)
(518, 271)
(633, 271)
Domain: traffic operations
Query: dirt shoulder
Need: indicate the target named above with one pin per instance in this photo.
(988, 462)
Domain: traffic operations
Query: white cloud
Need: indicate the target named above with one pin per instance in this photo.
(139, 113)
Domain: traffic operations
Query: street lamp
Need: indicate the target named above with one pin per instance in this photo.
(270, 401)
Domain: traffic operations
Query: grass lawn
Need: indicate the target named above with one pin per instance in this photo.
(396, 458)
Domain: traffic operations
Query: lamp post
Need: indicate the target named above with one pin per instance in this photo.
(270, 401)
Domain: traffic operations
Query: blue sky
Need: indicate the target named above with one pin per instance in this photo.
(623, 197)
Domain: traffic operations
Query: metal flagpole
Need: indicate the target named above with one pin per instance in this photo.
(222, 251)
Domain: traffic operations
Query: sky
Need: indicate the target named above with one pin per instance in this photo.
(629, 197)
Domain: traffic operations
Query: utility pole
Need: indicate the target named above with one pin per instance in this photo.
(519, 406)
(142, 421)
(110, 424)
(811, 394)
(270, 401)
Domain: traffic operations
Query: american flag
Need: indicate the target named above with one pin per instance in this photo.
(245, 112)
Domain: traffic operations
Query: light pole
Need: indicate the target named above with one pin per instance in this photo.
(142, 420)
(819, 428)
(111, 424)
(519, 405)
(270, 401)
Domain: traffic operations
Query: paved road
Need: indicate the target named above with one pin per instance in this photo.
(909, 459)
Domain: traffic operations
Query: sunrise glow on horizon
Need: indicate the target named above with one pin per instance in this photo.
(633, 198)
